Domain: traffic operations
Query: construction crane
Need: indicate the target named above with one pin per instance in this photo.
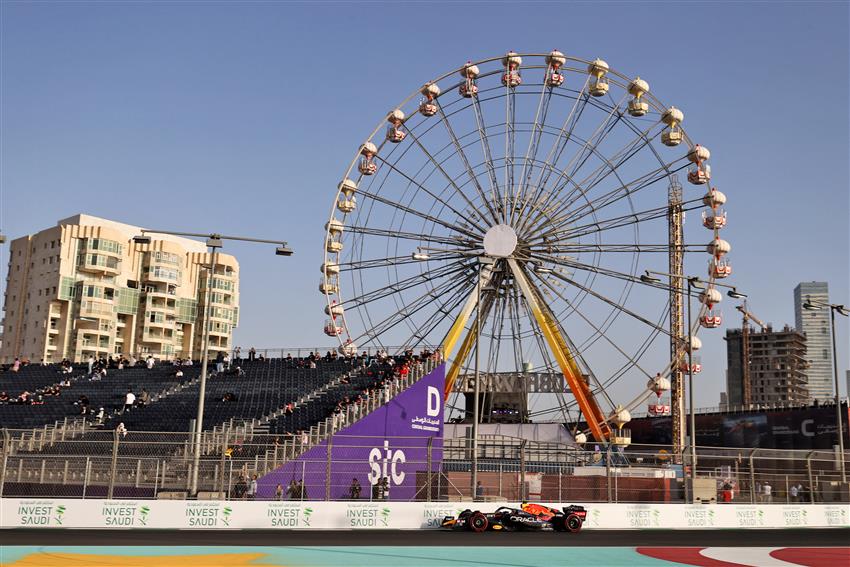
(745, 351)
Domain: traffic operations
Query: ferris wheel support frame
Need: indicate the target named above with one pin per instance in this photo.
(549, 326)
(675, 215)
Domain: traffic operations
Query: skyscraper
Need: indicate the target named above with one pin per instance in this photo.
(815, 325)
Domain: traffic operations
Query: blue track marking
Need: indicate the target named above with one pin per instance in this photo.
(369, 556)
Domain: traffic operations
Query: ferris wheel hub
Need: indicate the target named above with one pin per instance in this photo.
(500, 241)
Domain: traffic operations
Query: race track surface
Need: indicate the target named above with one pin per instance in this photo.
(590, 538)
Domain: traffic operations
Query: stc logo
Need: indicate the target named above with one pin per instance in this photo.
(386, 464)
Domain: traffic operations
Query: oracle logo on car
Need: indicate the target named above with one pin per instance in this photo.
(386, 464)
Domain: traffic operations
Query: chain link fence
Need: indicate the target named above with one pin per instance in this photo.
(238, 462)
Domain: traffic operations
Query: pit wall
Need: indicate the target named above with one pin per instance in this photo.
(186, 514)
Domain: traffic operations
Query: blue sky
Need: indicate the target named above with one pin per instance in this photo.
(242, 117)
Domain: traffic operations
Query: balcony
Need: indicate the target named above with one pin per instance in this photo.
(161, 274)
(96, 309)
(100, 264)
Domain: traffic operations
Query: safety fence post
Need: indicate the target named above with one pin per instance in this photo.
(429, 464)
(5, 457)
(522, 494)
(328, 468)
(608, 471)
(752, 477)
(225, 433)
(114, 467)
(809, 472)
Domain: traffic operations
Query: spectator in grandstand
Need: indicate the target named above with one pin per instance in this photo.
(278, 492)
(767, 492)
(178, 373)
(479, 492)
(240, 488)
(261, 358)
(794, 492)
(219, 363)
(144, 398)
(252, 488)
(91, 364)
(149, 362)
(121, 429)
(129, 400)
(301, 490)
(100, 417)
(4, 398)
(82, 403)
(229, 397)
(252, 354)
(354, 489)
(292, 490)
(16, 366)
(226, 360)
(131, 361)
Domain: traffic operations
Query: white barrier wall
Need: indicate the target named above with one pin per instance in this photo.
(191, 514)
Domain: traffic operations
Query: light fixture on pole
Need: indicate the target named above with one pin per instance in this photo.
(842, 310)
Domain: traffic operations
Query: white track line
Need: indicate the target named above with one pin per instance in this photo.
(752, 556)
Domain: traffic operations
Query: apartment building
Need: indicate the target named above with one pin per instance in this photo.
(85, 287)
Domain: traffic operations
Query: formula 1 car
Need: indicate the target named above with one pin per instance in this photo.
(528, 517)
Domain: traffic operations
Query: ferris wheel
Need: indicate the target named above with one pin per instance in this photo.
(510, 208)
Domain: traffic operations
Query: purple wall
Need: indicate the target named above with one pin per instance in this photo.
(392, 441)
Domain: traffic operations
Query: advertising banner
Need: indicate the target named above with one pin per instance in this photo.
(389, 446)
(225, 515)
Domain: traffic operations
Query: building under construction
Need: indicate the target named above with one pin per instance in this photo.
(775, 361)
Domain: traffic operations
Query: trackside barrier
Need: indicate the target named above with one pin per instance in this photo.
(192, 514)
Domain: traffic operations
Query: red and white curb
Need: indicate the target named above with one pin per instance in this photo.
(751, 556)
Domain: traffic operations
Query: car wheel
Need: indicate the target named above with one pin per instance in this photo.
(573, 523)
(478, 522)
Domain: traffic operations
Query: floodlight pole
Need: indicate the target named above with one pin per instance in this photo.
(214, 242)
(815, 306)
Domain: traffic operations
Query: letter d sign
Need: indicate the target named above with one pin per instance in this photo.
(433, 401)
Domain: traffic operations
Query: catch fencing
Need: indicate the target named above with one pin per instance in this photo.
(324, 465)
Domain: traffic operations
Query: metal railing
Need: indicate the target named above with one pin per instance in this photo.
(57, 462)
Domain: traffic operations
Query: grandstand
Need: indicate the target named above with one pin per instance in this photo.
(276, 409)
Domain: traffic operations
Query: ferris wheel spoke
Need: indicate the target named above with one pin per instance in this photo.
(408, 310)
(390, 233)
(405, 284)
(451, 303)
(438, 166)
(599, 332)
(588, 148)
(393, 261)
(472, 177)
(611, 302)
(434, 320)
(626, 248)
(573, 232)
(618, 194)
(608, 167)
(420, 186)
(537, 130)
(564, 134)
(419, 213)
(510, 133)
(488, 154)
